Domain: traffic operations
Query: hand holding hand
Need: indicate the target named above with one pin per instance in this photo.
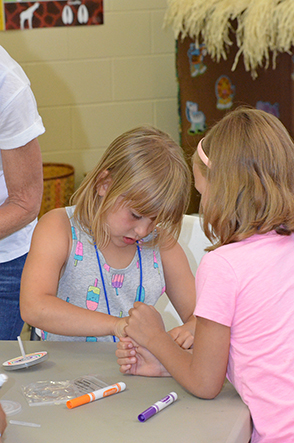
(119, 330)
(144, 324)
(136, 360)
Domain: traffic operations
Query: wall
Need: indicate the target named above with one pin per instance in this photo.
(92, 83)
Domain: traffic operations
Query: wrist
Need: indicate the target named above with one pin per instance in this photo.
(163, 372)
(119, 326)
(162, 347)
(156, 342)
(113, 325)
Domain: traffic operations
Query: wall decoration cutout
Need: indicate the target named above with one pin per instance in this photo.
(48, 14)
(196, 56)
(196, 118)
(268, 107)
(225, 92)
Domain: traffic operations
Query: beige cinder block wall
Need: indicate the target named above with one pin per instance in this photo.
(92, 83)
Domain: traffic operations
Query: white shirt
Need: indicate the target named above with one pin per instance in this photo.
(19, 124)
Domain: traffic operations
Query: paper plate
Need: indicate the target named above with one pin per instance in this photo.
(29, 360)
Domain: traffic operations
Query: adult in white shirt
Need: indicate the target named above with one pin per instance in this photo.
(21, 186)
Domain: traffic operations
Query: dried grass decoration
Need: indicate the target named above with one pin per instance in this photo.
(262, 27)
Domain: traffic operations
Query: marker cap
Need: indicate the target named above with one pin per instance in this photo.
(147, 414)
(78, 401)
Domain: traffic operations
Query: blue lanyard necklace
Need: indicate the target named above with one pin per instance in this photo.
(139, 297)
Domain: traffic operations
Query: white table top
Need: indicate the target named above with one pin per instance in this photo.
(114, 419)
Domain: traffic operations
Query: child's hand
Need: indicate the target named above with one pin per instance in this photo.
(119, 330)
(144, 324)
(137, 360)
(182, 336)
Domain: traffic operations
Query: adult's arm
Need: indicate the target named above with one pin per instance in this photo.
(24, 180)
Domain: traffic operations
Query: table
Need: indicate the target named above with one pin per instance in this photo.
(114, 419)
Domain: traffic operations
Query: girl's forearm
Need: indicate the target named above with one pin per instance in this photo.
(176, 361)
(179, 364)
(62, 318)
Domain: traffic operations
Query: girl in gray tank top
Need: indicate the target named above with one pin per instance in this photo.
(116, 245)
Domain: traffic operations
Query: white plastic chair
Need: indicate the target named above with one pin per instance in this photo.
(194, 242)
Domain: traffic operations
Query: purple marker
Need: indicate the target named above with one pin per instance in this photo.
(158, 406)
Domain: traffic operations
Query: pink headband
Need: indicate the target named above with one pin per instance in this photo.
(202, 154)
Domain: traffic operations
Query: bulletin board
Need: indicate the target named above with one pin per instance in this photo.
(231, 53)
(208, 90)
(48, 14)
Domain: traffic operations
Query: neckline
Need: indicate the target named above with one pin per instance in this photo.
(117, 270)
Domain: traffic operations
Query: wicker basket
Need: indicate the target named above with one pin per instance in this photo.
(58, 186)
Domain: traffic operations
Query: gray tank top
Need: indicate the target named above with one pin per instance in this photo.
(81, 284)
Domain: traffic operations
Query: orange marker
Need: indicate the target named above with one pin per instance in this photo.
(92, 396)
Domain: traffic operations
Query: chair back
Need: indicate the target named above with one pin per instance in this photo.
(194, 242)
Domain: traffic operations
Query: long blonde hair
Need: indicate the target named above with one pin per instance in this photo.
(251, 179)
(145, 167)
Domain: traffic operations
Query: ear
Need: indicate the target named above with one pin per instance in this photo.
(104, 182)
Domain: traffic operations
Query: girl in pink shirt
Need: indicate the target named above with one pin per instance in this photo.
(244, 169)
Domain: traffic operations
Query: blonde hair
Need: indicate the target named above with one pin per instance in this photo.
(251, 179)
(145, 167)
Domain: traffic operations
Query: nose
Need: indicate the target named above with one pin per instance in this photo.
(143, 227)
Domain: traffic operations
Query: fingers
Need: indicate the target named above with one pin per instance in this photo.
(187, 343)
(125, 369)
(182, 337)
(139, 305)
(126, 353)
(136, 305)
(126, 343)
(126, 360)
(144, 324)
(120, 326)
(174, 333)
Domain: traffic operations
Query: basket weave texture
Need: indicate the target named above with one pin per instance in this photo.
(58, 186)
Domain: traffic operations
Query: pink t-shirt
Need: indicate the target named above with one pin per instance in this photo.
(249, 286)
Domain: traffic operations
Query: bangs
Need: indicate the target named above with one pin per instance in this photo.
(166, 203)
